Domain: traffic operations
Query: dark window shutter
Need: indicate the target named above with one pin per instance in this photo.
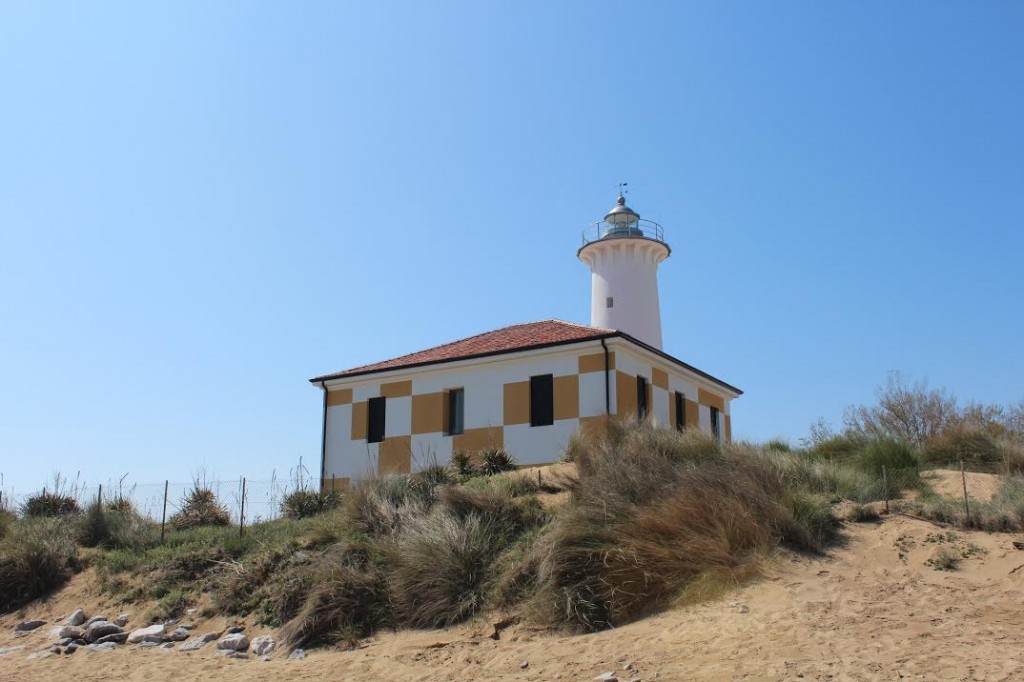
(641, 397)
(375, 419)
(714, 421)
(542, 400)
(456, 409)
(680, 411)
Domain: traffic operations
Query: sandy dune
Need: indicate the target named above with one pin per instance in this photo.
(873, 609)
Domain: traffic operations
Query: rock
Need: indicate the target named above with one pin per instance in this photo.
(153, 633)
(167, 646)
(149, 645)
(121, 620)
(524, 665)
(607, 677)
(77, 617)
(55, 649)
(235, 641)
(115, 638)
(22, 633)
(94, 619)
(235, 654)
(262, 645)
(742, 608)
(28, 625)
(64, 641)
(100, 628)
(80, 642)
(235, 629)
(70, 649)
(105, 646)
(199, 641)
(71, 631)
(297, 655)
(180, 634)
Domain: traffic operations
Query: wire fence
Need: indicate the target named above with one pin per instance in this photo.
(246, 500)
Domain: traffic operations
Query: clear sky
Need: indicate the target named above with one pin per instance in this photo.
(204, 204)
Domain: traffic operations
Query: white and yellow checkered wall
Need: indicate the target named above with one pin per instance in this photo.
(497, 406)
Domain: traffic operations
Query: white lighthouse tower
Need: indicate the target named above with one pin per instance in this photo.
(623, 252)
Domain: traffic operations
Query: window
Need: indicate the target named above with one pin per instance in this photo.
(542, 400)
(375, 420)
(456, 411)
(641, 397)
(609, 302)
(714, 423)
(680, 411)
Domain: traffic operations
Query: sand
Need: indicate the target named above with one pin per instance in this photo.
(872, 609)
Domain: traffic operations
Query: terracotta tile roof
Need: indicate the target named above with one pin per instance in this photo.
(505, 340)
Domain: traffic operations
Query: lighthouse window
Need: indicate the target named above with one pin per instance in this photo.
(609, 302)
(641, 397)
(375, 420)
(714, 423)
(680, 411)
(542, 400)
(456, 411)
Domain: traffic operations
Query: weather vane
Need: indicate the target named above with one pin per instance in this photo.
(623, 192)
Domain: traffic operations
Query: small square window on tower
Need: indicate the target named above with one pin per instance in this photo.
(609, 302)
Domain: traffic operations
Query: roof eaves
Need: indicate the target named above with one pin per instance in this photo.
(474, 356)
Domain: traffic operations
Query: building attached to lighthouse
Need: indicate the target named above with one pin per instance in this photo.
(528, 387)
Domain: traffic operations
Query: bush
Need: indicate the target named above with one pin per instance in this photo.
(199, 508)
(778, 445)
(346, 604)
(462, 463)
(47, 504)
(962, 443)
(892, 454)
(380, 506)
(121, 505)
(944, 559)
(93, 528)
(7, 520)
(862, 513)
(440, 573)
(495, 461)
(305, 503)
(653, 511)
(36, 556)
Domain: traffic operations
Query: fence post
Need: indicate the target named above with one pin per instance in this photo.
(241, 515)
(163, 521)
(967, 504)
(885, 488)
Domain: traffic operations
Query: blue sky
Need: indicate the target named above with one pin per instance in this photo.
(202, 205)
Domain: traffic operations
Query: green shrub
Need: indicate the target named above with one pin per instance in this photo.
(812, 525)
(50, 504)
(305, 503)
(962, 443)
(462, 464)
(171, 605)
(199, 508)
(121, 505)
(36, 557)
(944, 559)
(837, 448)
(93, 528)
(894, 455)
(778, 445)
(495, 461)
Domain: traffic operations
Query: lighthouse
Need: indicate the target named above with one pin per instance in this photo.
(623, 252)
